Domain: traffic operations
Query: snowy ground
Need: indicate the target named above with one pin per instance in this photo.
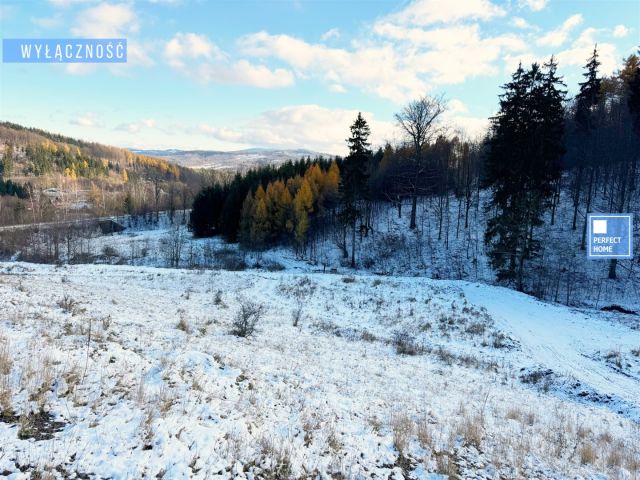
(130, 372)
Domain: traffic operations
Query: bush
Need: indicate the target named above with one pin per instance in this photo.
(67, 304)
(296, 314)
(244, 324)
(405, 344)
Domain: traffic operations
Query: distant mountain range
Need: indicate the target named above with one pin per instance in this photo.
(234, 160)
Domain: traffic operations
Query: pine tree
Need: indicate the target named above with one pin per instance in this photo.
(246, 220)
(6, 166)
(523, 161)
(586, 101)
(355, 174)
(127, 204)
(589, 94)
(633, 90)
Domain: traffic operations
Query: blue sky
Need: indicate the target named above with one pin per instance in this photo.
(292, 73)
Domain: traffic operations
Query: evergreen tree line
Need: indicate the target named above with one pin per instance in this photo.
(540, 144)
(218, 209)
(7, 187)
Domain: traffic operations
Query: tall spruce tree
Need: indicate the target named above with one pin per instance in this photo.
(355, 175)
(522, 164)
(585, 119)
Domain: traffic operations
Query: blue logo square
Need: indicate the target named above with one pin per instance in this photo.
(610, 235)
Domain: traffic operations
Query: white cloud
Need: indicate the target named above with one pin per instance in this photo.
(399, 64)
(427, 12)
(520, 22)
(106, 21)
(197, 56)
(582, 49)
(337, 88)
(190, 46)
(244, 73)
(620, 31)
(535, 5)
(324, 129)
(111, 20)
(456, 106)
(468, 127)
(557, 37)
(135, 127)
(88, 119)
(450, 55)
(329, 34)
(221, 133)
(377, 69)
(300, 126)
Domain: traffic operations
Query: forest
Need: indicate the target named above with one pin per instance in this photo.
(48, 177)
(544, 151)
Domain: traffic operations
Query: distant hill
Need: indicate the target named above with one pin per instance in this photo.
(234, 160)
(37, 154)
(46, 176)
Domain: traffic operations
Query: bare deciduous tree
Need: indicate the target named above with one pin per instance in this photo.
(420, 122)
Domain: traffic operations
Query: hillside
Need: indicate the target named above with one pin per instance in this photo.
(381, 376)
(240, 160)
(67, 177)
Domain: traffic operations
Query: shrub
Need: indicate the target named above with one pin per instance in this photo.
(217, 300)
(245, 321)
(296, 314)
(67, 304)
(405, 344)
(183, 325)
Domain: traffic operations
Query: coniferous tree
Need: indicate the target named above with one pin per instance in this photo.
(127, 204)
(355, 174)
(6, 166)
(246, 220)
(585, 118)
(523, 161)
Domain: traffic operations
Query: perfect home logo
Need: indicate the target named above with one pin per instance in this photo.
(64, 50)
(610, 235)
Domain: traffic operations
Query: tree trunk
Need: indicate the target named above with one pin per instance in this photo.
(353, 245)
(576, 197)
(414, 209)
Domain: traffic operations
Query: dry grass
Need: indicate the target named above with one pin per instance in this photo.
(402, 428)
(183, 325)
(514, 413)
(424, 434)
(588, 454)
(6, 395)
(471, 429)
(5, 357)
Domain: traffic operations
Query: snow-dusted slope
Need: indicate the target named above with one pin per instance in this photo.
(138, 367)
(570, 343)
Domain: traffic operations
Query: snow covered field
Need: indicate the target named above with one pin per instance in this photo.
(131, 372)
